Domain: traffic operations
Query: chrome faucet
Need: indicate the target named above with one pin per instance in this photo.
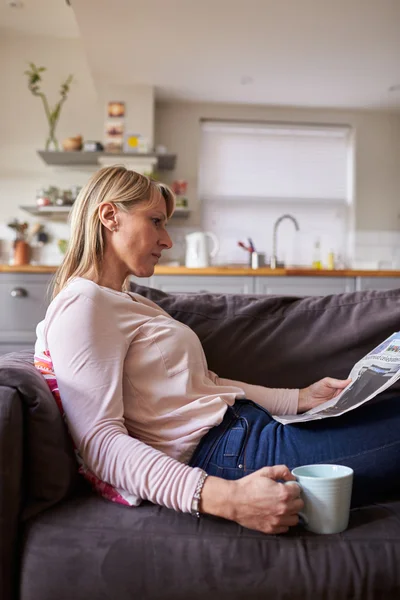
(274, 259)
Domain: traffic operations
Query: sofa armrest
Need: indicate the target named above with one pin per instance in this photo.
(50, 467)
(11, 465)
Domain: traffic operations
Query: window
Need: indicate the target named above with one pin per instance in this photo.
(273, 161)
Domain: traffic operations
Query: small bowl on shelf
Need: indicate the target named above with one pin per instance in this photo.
(72, 144)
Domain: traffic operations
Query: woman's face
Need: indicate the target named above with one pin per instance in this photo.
(139, 240)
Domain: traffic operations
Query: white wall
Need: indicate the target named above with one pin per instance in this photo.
(377, 156)
(377, 175)
(23, 126)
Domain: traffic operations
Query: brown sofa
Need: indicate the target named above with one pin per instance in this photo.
(59, 541)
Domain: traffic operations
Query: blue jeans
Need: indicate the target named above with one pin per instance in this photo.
(366, 439)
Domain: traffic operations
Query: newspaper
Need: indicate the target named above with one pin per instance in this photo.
(373, 374)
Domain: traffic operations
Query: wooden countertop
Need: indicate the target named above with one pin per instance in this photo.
(266, 271)
(27, 269)
(228, 270)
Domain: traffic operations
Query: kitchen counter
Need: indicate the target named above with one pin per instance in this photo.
(221, 270)
(289, 271)
(27, 269)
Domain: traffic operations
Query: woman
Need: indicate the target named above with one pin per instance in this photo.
(146, 415)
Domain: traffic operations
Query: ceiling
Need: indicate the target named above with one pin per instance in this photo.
(39, 17)
(326, 53)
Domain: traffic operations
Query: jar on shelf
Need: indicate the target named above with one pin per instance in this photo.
(181, 202)
(42, 198)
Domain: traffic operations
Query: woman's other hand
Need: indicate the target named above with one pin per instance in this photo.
(257, 501)
(320, 392)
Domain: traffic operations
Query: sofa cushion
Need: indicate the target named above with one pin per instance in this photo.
(285, 341)
(151, 552)
(44, 365)
(50, 465)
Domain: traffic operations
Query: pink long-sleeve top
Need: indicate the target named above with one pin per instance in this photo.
(136, 390)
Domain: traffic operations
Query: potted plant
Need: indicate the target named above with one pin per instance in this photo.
(34, 75)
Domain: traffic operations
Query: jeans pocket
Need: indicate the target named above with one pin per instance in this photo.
(235, 439)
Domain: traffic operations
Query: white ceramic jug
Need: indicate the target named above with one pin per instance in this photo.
(197, 252)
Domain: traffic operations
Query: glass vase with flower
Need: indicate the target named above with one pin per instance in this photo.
(34, 75)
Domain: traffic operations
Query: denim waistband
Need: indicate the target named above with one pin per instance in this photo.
(211, 438)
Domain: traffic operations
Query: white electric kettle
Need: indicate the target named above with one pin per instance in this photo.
(197, 253)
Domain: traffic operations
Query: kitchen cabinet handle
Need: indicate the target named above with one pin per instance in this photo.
(19, 293)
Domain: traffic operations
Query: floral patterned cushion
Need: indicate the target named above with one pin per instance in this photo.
(44, 365)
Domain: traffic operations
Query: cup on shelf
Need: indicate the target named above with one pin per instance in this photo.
(161, 149)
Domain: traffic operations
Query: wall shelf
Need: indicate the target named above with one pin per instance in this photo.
(59, 158)
(51, 212)
(60, 213)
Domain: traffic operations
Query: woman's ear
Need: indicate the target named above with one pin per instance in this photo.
(108, 216)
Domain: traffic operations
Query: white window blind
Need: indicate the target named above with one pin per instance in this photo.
(274, 161)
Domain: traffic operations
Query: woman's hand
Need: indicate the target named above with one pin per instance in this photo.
(256, 501)
(320, 392)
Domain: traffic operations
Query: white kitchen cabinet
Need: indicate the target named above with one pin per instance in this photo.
(304, 286)
(377, 283)
(24, 298)
(203, 283)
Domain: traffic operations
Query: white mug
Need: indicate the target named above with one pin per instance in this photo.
(326, 491)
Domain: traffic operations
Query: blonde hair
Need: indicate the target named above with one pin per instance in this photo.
(118, 185)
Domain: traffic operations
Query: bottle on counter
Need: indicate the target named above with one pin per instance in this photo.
(340, 262)
(316, 257)
(330, 261)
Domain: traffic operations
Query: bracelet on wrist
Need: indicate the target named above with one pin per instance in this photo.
(195, 507)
